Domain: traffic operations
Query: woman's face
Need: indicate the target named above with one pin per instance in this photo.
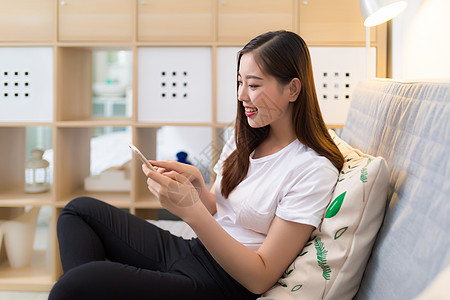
(266, 102)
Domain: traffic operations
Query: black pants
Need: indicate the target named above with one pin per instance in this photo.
(107, 253)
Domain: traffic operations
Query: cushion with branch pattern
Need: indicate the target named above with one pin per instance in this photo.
(332, 263)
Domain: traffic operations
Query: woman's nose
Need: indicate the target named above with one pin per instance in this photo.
(242, 94)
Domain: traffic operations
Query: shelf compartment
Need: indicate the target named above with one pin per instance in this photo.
(226, 83)
(26, 20)
(322, 21)
(89, 151)
(174, 84)
(35, 276)
(243, 20)
(12, 159)
(337, 70)
(83, 20)
(164, 143)
(26, 84)
(175, 20)
(94, 84)
(17, 143)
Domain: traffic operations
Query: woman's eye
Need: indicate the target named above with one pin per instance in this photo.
(253, 86)
(239, 83)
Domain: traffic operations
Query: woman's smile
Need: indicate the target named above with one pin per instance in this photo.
(250, 111)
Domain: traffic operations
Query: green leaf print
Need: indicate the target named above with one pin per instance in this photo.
(364, 172)
(363, 177)
(296, 288)
(335, 206)
(322, 258)
(340, 232)
(303, 253)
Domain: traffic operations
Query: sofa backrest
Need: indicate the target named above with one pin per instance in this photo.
(409, 125)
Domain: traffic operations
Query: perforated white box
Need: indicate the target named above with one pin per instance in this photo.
(174, 84)
(226, 92)
(337, 70)
(26, 84)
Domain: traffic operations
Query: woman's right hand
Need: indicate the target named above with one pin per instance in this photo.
(192, 173)
(194, 176)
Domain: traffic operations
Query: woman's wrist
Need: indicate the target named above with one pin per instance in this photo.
(196, 215)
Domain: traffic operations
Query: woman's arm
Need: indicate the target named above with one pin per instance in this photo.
(257, 271)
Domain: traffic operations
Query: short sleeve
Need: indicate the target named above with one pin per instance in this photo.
(307, 198)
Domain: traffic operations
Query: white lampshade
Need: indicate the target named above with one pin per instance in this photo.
(375, 12)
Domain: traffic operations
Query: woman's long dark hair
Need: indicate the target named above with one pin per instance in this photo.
(285, 56)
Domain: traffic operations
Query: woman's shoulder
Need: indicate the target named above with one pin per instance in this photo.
(308, 159)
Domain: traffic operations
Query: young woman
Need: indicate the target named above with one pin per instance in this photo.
(274, 181)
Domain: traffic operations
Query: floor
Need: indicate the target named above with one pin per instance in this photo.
(23, 296)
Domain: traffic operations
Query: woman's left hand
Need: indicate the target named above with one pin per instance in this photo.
(174, 191)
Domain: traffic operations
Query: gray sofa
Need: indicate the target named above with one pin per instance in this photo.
(407, 123)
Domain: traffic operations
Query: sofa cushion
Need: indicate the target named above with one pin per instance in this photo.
(332, 263)
(407, 123)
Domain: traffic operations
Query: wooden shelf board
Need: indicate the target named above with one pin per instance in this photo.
(149, 202)
(100, 122)
(25, 124)
(119, 199)
(97, 45)
(223, 125)
(155, 125)
(19, 199)
(34, 277)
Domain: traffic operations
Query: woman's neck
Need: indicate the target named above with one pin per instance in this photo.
(278, 138)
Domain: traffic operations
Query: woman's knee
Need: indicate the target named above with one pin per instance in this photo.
(82, 282)
(78, 205)
(75, 208)
(81, 203)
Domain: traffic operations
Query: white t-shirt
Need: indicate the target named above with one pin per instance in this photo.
(294, 184)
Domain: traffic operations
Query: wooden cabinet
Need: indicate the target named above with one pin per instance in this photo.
(175, 20)
(26, 20)
(72, 30)
(239, 21)
(331, 22)
(99, 20)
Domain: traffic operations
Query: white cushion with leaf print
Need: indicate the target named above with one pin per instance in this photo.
(332, 263)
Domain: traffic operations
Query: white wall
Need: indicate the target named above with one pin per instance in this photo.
(421, 41)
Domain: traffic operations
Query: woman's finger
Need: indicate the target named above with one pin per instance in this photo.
(177, 177)
(160, 170)
(161, 179)
(167, 164)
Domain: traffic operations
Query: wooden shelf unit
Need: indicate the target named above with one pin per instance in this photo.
(74, 29)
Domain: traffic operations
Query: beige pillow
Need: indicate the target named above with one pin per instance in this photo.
(332, 263)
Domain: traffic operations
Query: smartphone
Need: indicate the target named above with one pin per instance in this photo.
(141, 157)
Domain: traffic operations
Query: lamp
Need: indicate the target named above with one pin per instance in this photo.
(376, 12)
(36, 173)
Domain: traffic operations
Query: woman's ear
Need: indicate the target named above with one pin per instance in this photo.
(295, 87)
